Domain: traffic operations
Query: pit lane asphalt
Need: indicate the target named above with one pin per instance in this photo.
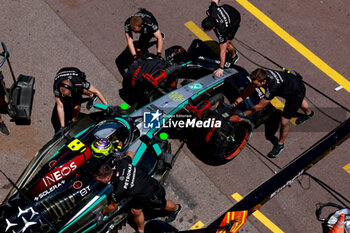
(43, 36)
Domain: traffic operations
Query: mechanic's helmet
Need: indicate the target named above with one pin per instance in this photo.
(101, 147)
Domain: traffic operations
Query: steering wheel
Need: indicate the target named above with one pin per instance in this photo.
(5, 54)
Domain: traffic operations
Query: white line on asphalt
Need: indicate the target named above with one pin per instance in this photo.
(338, 88)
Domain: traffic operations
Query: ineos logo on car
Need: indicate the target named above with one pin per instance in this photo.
(59, 174)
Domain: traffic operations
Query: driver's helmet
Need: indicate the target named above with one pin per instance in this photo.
(101, 147)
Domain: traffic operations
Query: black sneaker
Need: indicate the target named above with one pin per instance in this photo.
(301, 120)
(173, 215)
(3, 129)
(91, 102)
(235, 58)
(276, 150)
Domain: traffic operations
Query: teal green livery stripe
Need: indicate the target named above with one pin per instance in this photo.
(83, 131)
(93, 225)
(101, 106)
(151, 132)
(139, 154)
(91, 207)
(124, 121)
(157, 149)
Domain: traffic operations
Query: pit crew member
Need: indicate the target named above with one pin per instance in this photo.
(225, 21)
(69, 86)
(288, 86)
(129, 181)
(145, 23)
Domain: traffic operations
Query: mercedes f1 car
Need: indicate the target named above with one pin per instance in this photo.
(149, 77)
(57, 192)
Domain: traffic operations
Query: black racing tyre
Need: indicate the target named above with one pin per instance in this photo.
(241, 135)
(217, 148)
(176, 54)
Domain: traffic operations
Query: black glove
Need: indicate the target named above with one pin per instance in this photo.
(99, 216)
(238, 113)
(60, 132)
(112, 110)
(91, 102)
(117, 155)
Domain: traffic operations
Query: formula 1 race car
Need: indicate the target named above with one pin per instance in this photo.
(150, 77)
(57, 192)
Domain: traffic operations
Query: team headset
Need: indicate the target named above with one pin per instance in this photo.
(65, 86)
(78, 73)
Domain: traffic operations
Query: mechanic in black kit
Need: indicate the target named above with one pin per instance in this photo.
(288, 86)
(69, 86)
(129, 181)
(145, 23)
(225, 21)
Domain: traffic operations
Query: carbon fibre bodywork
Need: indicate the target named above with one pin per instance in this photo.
(58, 192)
